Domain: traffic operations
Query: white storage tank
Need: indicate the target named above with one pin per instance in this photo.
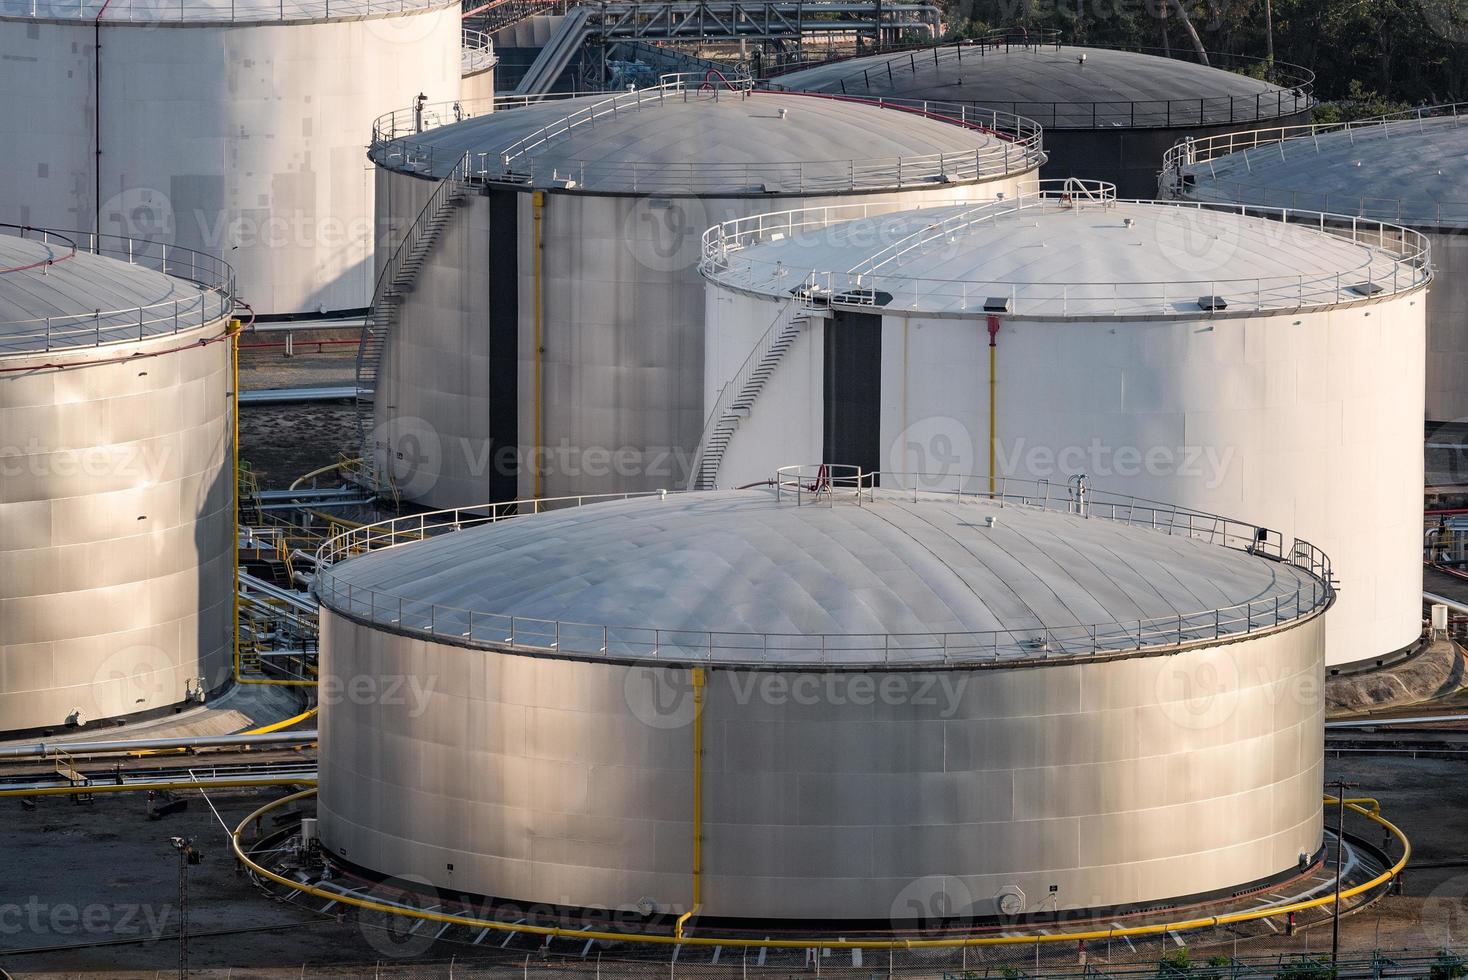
(233, 127)
(1109, 114)
(1410, 169)
(115, 496)
(1004, 705)
(1232, 362)
(539, 329)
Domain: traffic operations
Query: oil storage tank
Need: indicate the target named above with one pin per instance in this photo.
(537, 330)
(993, 700)
(115, 494)
(232, 127)
(1410, 168)
(1109, 114)
(1243, 362)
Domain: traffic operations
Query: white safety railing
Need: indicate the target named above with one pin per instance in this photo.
(190, 309)
(1193, 164)
(1015, 147)
(828, 484)
(208, 11)
(1398, 261)
(476, 52)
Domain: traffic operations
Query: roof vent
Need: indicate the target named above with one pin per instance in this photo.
(784, 112)
(1129, 222)
(996, 304)
(1212, 303)
(1081, 59)
(1365, 288)
(990, 521)
(861, 296)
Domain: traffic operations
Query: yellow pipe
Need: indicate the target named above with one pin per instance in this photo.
(1373, 814)
(698, 684)
(142, 787)
(537, 206)
(993, 399)
(287, 723)
(265, 730)
(323, 469)
(234, 368)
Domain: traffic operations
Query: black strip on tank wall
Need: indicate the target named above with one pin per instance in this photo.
(853, 390)
(504, 344)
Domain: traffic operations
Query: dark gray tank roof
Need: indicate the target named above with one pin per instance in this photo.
(1412, 171)
(1056, 88)
(696, 142)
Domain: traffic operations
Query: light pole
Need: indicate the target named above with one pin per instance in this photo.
(1340, 786)
(187, 855)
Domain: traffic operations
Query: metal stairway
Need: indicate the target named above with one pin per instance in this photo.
(398, 278)
(739, 395)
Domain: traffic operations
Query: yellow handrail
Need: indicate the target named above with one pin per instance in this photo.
(1367, 807)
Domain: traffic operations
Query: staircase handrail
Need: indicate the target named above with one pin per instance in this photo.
(436, 201)
(734, 387)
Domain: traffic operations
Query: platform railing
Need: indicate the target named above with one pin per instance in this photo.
(1293, 87)
(214, 300)
(1400, 262)
(1016, 147)
(476, 52)
(1184, 165)
(824, 483)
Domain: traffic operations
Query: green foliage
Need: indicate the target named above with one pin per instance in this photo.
(1174, 964)
(1359, 103)
(1412, 52)
(1305, 968)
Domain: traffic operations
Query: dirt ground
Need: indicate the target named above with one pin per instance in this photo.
(282, 442)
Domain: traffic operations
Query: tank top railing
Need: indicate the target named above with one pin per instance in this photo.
(214, 298)
(1226, 160)
(832, 485)
(1400, 260)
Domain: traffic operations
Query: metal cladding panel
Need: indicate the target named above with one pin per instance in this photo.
(1447, 329)
(1302, 422)
(544, 787)
(115, 497)
(243, 141)
(886, 796)
(622, 373)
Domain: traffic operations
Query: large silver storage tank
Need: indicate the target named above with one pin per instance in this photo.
(1010, 703)
(115, 495)
(234, 127)
(1109, 114)
(539, 330)
(1185, 352)
(1410, 169)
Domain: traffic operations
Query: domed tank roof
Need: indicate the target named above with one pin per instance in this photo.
(749, 575)
(55, 294)
(1064, 86)
(695, 140)
(1409, 170)
(1061, 254)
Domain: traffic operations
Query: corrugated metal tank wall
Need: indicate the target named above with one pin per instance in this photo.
(115, 524)
(244, 141)
(1308, 422)
(570, 783)
(1447, 328)
(622, 331)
